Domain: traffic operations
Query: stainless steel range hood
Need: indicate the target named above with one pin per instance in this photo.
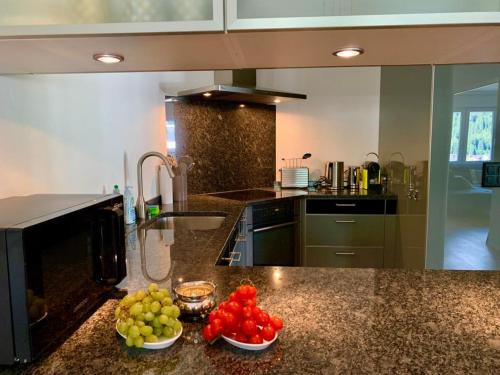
(238, 86)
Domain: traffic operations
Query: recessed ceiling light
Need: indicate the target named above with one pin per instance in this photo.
(108, 58)
(242, 105)
(349, 52)
(277, 101)
(207, 94)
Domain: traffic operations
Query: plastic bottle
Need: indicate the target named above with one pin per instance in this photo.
(116, 189)
(129, 206)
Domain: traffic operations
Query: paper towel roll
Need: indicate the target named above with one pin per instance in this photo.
(166, 190)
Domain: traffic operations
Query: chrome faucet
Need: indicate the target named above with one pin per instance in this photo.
(141, 204)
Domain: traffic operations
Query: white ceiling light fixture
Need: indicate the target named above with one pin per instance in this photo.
(108, 58)
(207, 94)
(276, 101)
(348, 52)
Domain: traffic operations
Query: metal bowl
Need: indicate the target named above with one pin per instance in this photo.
(195, 305)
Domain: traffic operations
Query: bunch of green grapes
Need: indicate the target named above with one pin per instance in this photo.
(148, 316)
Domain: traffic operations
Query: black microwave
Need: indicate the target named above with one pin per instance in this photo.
(60, 256)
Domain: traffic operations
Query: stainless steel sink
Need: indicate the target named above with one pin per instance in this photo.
(188, 222)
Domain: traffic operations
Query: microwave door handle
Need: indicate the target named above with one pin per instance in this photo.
(111, 250)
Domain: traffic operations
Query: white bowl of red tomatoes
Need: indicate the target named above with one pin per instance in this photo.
(240, 322)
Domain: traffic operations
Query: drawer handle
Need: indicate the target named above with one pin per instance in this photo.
(345, 204)
(235, 254)
(349, 254)
(345, 221)
(241, 238)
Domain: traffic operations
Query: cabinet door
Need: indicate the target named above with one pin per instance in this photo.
(73, 17)
(345, 230)
(344, 256)
(297, 14)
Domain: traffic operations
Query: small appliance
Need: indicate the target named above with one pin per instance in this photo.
(294, 177)
(335, 174)
(373, 176)
(60, 256)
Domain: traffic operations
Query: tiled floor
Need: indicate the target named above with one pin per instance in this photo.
(466, 247)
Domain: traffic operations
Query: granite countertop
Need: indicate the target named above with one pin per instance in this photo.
(347, 321)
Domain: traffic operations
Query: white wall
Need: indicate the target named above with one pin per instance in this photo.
(338, 121)
(69, 133)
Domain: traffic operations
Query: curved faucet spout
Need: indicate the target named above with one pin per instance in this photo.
(141, 204)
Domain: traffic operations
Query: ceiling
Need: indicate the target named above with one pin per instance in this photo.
(262, 49)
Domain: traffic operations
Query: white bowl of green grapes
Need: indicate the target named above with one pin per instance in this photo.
(148, 319)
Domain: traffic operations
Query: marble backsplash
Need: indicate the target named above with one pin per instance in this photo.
(233, 147)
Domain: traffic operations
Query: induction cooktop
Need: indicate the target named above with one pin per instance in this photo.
(246, 195)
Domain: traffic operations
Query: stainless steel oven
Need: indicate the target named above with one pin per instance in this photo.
(275, 232)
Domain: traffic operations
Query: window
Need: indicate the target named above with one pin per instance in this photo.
(480, 136)
(455, 136)
(472, 135)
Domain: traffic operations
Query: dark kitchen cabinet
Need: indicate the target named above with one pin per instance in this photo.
(348, 233)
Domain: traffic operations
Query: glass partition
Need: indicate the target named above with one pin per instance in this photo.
(404, 127)
(464, 216)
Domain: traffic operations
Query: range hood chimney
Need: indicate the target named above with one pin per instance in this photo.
(238, 86)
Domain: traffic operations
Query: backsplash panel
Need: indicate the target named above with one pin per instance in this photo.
(233, 147)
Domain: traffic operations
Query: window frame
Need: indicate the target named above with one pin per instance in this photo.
(464, 135)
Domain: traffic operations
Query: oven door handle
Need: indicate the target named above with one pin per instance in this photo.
(265, 229)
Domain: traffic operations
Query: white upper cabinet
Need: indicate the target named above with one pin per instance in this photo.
(91, 17)
(297, 14)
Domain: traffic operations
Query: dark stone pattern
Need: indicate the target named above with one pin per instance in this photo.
(337, 321)
(233, 148)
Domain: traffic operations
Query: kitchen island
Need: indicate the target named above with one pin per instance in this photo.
(353, 321)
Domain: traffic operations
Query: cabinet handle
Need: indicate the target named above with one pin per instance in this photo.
(235, 254)
(345, 204)
(350, 254)
(345, 221)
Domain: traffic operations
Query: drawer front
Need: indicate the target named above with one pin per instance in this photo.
(345, 206)
(345, 230)
(344, 256)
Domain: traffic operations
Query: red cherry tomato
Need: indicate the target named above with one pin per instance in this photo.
(246, 292)
(255, 339)
(223, 305)
(229, 321)
(217, 326)
(241, 337)
(246, 312)
(277, 323)
(208, 334)
(216, 314)
(252, 291)
(268, 333)
(249, 327)
(241, 293)
(255, 311)
(262, 318)
(233, 297)
(251, 302)
(234, 307)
